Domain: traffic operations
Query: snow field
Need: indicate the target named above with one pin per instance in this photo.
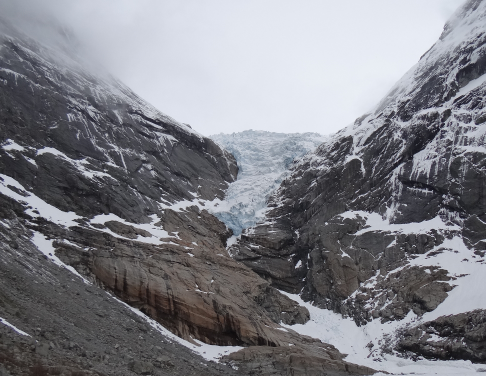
(350, 339)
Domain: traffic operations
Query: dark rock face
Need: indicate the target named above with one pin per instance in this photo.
(91, 145)
(345, 227)
(98, 180)
(461, 336)
(73, 328)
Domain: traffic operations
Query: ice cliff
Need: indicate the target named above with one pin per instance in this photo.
(263, 159)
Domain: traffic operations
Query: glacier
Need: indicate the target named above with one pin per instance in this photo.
(263, 159)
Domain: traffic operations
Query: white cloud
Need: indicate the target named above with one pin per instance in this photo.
(277, 65)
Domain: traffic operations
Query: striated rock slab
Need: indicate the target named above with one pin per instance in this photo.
(73, 328)
(199, 293)
(195, 291)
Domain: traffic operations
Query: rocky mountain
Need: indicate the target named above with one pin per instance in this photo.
(263, 161)
(386, 221)
(110, 263)
(115, 220)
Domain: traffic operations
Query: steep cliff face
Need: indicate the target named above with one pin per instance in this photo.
(52, 323)
(84, 142)
(388, 216)
(109, 188)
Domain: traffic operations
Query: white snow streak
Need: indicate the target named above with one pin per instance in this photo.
(45, 246)
(44, 209)
(5, 322)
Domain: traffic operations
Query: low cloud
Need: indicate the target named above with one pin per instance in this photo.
(277, 65)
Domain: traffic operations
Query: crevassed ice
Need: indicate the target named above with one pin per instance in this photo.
(263, 160)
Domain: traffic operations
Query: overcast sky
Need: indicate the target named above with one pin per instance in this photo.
(276, 65)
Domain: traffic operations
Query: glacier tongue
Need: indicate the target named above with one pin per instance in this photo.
(263, 159)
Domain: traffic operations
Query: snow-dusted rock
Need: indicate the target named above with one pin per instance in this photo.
(98, 187)
(359, 222)
(461, 336)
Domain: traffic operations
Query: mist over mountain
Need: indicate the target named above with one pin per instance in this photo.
(227, 66)
(130, 244)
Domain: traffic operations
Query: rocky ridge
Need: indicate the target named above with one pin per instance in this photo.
(387, 218)
(96, 182)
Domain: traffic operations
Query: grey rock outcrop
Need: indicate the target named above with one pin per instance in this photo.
(345, 227)
(306, 360)
(461, 336)
(416, 289)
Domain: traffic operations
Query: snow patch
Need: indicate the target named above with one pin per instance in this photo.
(375, 222)
(12, 145)
(34, 203)
(6, 323)
(156, 232)
(45, 246)
(458, 260)
(79, 164)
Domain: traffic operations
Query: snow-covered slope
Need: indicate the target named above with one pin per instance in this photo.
(364, 344)
(387, 218)
(263, 159)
